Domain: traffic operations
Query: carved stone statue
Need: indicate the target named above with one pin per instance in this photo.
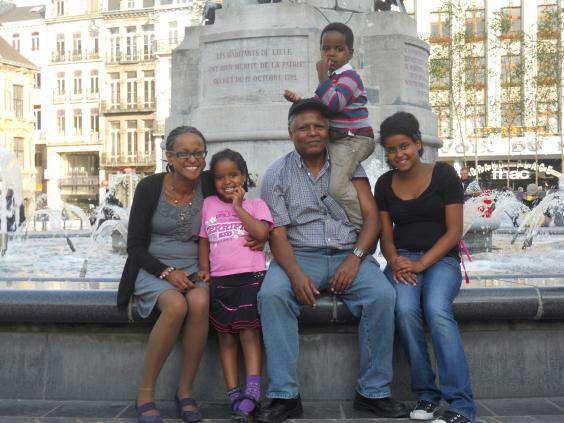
(387, 5)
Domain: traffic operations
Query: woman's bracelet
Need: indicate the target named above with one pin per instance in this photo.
(166, 272)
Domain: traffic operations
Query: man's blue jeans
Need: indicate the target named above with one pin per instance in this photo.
(432, 297)
(371, 297)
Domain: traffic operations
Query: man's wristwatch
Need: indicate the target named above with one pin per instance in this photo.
(359, 253)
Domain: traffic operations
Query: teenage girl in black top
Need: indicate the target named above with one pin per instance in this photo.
(421, 212)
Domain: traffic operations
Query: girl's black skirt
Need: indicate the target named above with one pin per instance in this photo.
(233, 301)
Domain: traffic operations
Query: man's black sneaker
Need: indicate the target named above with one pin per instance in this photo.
(424, 410)
(382, 407)
(280, 409)
(450, 417)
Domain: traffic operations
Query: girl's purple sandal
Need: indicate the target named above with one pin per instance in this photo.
(143, 408)
(186, 415)
(241, 415)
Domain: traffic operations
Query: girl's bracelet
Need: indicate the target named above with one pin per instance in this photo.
(166, 272)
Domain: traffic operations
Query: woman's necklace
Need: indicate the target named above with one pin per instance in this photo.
(175, 197)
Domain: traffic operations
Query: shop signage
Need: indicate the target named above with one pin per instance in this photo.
(518, 170)
(516, 131)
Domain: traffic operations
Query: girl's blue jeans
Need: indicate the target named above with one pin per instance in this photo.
(431, 300)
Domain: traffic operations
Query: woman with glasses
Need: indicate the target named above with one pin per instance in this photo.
(161, 269)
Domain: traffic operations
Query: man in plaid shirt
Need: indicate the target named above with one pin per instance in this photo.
(316, 248)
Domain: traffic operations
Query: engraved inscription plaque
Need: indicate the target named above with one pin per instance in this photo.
(416, 81)
(251, 69)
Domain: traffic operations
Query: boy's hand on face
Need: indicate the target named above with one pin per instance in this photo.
(323, 67)
(291, 96)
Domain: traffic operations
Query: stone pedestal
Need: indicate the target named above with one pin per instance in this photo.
(228, 78)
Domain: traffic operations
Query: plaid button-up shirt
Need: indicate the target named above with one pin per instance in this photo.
(300, 201)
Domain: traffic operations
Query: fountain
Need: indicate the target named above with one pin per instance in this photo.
(52, 286)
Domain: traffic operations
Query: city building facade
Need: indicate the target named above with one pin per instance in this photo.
(104, 87)
(17, 80)
(496, 86)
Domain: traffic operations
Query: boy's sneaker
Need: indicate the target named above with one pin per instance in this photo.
(424, 410)
(450, 417)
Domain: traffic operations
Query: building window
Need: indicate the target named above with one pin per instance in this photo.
(439, 70)
(60, 7)
(548, 21)
(149, 88)
(547, 116)
(94, 121)
(440, 27)
(35, 41)
(16, 41)
(60, 55)
(95, 43)
(148, 136)
(475, 25)
(511, 71)
(444, 120)
(164, 2)
(148, 3)
(77, 121)
(510, 22)
(61, 122)
(173, 33)
(94, 88)
(18, 149)
(131, 138)
(548, 63)
(475, 72)
(131, 43)
(115, 94)
(131, 89)
(114, 45)
(115, 139)
(131, 4)
(113, 4)
(61, 83)
(511, 115)
(37, 117)
(37, 82)
(148, 41)
(77, 46)
(475, 117)
(77, 82)
(18, 101)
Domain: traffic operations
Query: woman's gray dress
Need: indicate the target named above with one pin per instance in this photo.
(174, 241)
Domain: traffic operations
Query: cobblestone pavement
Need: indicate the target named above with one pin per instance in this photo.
(520, 410)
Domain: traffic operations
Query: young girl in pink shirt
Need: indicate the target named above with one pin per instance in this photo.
(235, 273)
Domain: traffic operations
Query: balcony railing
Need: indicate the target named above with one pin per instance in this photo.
(59, 98)
(73, 56)
(138, 159)
(92, 95)
(128, 107)
(92, 180)
(131, 57)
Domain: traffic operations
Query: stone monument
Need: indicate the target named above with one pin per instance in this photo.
(228, 78)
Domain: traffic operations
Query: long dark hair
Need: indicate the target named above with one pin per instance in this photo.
(236, 158)
(174, 134)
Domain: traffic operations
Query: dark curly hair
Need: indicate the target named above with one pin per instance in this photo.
(236, 158)
(343, 29)
(401, 123)
(174, 134)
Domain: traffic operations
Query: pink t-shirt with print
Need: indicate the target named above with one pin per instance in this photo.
(226, 235)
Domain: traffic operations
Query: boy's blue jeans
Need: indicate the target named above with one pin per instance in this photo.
(346, 154)
(431, 299)
(371, 297)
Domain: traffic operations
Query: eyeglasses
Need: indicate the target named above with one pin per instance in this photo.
(199, 155)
